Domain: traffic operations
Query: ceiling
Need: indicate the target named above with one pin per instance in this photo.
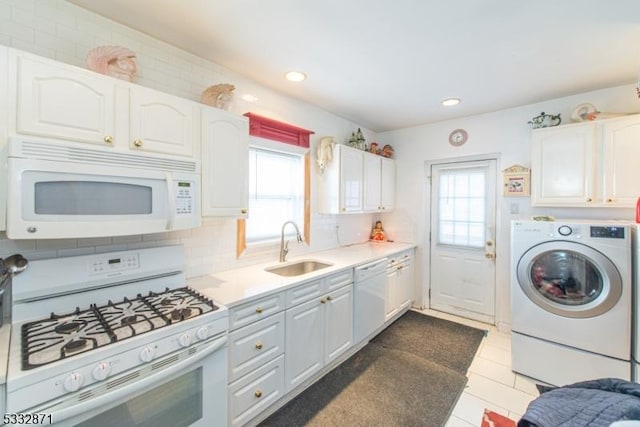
(387, 64)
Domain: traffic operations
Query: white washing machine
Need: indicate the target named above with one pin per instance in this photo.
(571, 300)
(635, 328)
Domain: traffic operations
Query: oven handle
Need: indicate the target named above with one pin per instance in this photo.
(65, 413)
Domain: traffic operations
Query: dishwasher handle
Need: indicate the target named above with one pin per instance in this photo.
(373, 268)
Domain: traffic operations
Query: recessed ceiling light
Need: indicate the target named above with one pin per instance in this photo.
(295, 76)
(249, 98)
(450, 102)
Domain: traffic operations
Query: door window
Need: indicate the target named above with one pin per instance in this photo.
(461, 207)
(566, 277)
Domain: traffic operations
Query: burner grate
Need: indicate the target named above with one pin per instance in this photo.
(62, 336)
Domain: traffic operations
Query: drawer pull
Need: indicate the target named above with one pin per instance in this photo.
(258, 394)
(329, 298)
(259, 345)
(322, 301)
(258, 309)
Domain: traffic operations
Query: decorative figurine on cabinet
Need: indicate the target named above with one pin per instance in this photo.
(377, 233)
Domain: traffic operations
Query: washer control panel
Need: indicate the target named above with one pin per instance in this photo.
(607, 232)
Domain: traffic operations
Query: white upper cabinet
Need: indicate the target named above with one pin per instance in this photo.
(379, 183)
(357, 181)
(587, 164)
(162, 123)
(225, 163)
(65, 102)
(341, 183)
(372, 174)
(562, 166)
(621, 145)
(387, 184)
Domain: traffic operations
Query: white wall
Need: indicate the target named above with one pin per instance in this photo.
(505, 132)
(65, 32)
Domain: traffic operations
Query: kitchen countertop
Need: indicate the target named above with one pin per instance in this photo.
(234, 287)
(5, 334)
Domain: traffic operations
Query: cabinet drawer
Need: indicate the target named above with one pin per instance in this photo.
(255, 392)
(339, 279)
(255, 310)
(305, 293)
(255, 344)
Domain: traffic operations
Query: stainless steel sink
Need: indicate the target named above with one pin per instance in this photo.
(298, 268)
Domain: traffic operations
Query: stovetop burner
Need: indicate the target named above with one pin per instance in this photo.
(61, 336)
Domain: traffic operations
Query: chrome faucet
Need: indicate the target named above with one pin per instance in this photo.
(284, 246)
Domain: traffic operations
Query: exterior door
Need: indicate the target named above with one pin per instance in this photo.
(462, 239)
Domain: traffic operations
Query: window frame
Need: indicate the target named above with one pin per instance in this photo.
(241, 226)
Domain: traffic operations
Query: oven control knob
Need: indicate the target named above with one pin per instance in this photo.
(565, 230)
(73, 382)
(101, 371)
(185, 339)
(147, 354)
(203, 333)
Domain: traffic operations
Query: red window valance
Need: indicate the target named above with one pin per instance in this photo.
(278, 131)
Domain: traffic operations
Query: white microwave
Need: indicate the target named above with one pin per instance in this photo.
(60, 189)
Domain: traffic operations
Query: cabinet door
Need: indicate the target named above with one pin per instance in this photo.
(225, 163)
(621, 145)
(387, 183)
(338, 322)
(304, 342)
(351, 170)
(371, 164)
(391, 295)
(65, 102)
(4, 112)
(562, 166)
(162, 123)
(405, 284)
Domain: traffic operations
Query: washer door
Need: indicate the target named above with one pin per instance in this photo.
(569, 279)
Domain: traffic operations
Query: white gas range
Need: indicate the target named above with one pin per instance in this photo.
(116, 339)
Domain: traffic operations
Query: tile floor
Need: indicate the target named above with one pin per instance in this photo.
(491, 383)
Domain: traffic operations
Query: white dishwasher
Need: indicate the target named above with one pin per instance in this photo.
(369, 300)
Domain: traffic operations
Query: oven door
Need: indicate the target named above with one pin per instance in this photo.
(50, 199)
(186, 389)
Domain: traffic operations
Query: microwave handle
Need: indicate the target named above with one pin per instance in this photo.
(140, 385)
(172, 200)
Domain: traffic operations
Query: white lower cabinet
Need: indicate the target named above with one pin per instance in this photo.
(254, 345)
(317, 332)
(255, 392)
(399, 290)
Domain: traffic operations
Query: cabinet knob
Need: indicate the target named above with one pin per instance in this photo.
(108, 139)
(258, 394)
(258, 309)
(589, 199)
(329, 298)
(137, 143)
(489, 255)
(609, 200)
(259, 345)
(243, 211)
(322, 301)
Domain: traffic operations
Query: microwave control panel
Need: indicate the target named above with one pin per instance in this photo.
(184, 197)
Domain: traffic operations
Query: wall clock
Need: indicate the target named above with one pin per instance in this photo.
(458, 137)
